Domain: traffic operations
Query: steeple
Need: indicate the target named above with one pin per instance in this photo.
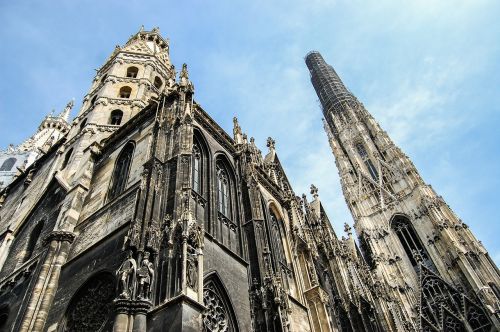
(332, 93)
(404, 227)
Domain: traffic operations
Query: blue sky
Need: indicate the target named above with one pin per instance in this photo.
(428, 71)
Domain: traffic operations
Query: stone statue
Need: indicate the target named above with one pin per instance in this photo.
(192, 267)
(145, 275)
(126, 276)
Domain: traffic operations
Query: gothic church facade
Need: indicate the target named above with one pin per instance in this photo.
(144, 215)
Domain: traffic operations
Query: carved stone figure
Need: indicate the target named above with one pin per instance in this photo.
(145, 275)
(126, 277)
(192, 267)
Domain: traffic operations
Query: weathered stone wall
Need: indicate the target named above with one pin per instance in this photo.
(234, 276)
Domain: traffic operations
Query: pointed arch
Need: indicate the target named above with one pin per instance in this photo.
(410, 241)
(278, 241)
(201, 170)
(219, 316)
(226, 228)
(121, 171)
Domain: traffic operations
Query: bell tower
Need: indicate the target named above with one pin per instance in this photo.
(410, 237)
(130, 77)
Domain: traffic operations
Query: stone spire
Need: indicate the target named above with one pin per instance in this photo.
(64, 115)
(387, 196)
(331, 91)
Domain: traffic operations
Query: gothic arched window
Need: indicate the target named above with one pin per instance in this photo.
(121, 171)
(91, 308)
(8, 164)
(223, 191)
(367, 161)
(116, 117)
(219, 315)
(411, 242)
(32, 241)
(132, 72)
(66, 158)
(276, 238)
(197, 169)
(125, 92)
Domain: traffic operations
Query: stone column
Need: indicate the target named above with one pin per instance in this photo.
(46, 286)
(140, 309)
(123, 318)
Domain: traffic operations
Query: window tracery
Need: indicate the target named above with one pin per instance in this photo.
(219, 315)
(443, 308)
(91, 307)
(121, 171)
(411, 243)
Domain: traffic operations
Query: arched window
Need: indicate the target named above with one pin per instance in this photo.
(121, 171)
(103, 79)
(158, 82)
(83, 123)
(32, 241)
(8, 164)
(219, 314)
(368, 162)
(125, 92)
(223, 191)
(411, 242)
(91, 308)
(276, 239)
(197, 173)
(132, 72)
(92, 101)
(116, 117)
(66, 158)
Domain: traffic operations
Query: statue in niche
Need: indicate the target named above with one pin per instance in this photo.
(192, 267)
(145, 275)
(126, 277)
(194, 243)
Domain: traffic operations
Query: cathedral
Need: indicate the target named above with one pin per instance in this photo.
(142, 214)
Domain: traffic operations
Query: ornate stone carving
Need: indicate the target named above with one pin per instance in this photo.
(215, 318)
(145, 275)
(127, 277)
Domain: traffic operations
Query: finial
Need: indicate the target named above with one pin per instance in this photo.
(314, 191)
(156, 29)
(347, 229)
(142, 28)
(64, 115)
(237, 131)
(271, 144)
(184, 72)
